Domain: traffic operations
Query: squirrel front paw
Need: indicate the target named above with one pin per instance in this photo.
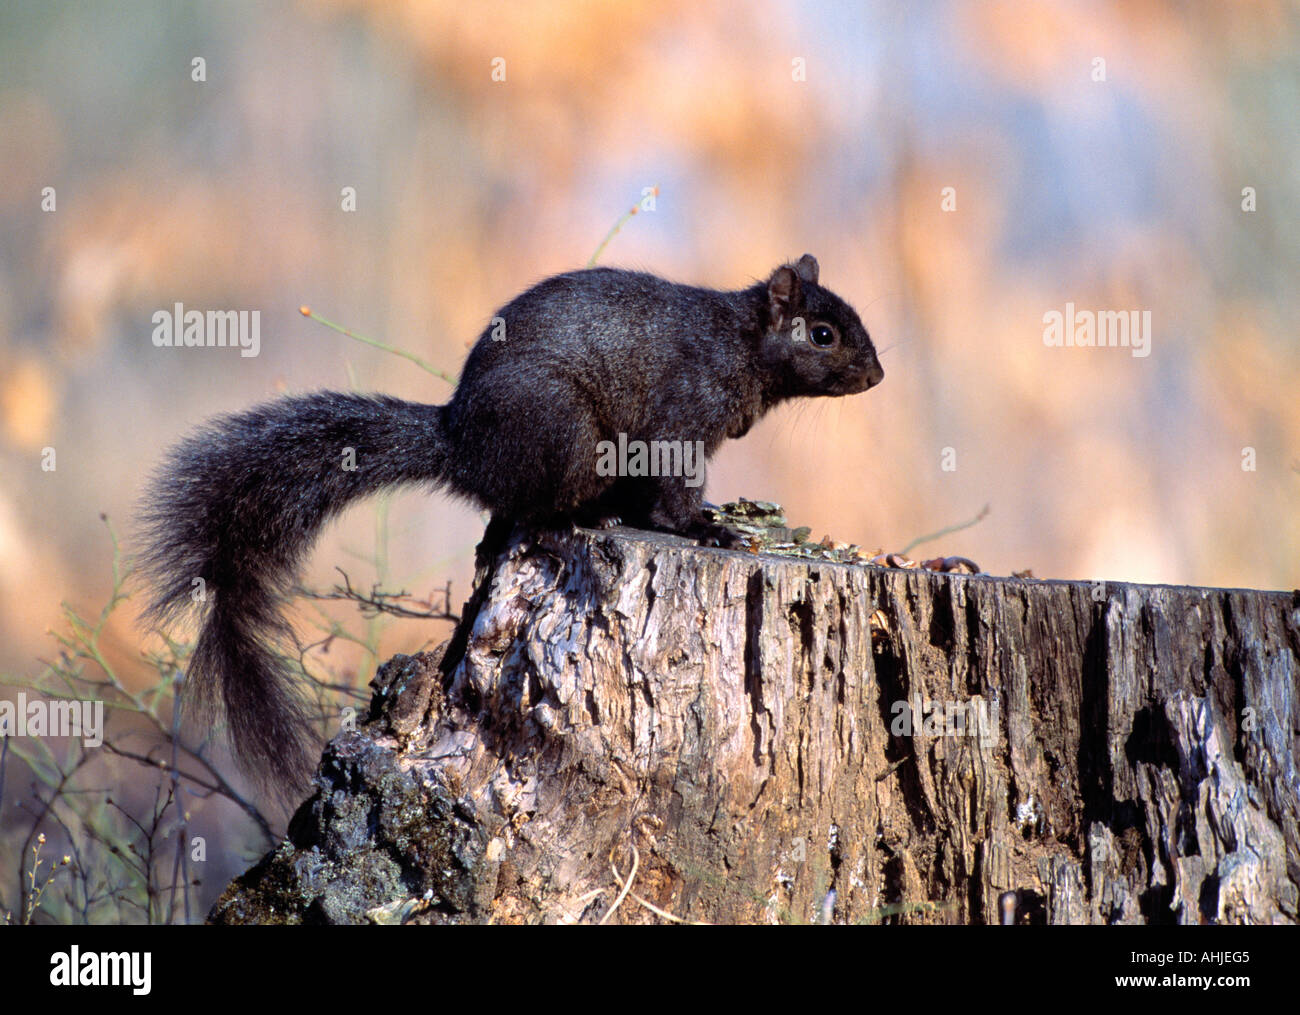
(708, 534)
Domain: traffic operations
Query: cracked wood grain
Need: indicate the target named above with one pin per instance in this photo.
(1111, 753)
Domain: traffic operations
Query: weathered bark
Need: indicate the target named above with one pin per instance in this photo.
(738, 719)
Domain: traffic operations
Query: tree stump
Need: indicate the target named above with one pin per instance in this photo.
(627, 726)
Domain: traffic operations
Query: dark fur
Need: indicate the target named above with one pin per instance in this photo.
(586, 355)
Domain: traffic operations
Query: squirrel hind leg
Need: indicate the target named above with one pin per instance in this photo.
(623, 502)
(539, 475)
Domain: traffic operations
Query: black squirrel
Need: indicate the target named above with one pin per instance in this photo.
(585, 357)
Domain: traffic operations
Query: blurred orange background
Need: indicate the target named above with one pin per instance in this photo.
(771, 130)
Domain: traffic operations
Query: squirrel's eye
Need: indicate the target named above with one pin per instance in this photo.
(822, 336)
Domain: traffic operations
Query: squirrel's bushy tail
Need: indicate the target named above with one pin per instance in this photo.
(226, 523)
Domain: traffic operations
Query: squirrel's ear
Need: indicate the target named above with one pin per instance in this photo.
(784, 295)
(807, 269)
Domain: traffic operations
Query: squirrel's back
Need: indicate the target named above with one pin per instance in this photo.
(625, 343)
